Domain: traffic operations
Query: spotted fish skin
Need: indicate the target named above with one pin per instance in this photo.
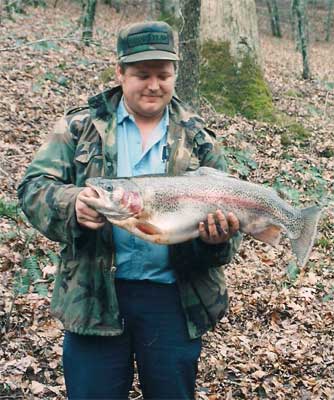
(167, 210)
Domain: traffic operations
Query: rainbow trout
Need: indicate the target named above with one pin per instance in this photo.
(167, 210)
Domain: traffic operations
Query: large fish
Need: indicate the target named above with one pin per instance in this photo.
(167, 210)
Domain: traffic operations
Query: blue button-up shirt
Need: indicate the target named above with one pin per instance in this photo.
(137, 258)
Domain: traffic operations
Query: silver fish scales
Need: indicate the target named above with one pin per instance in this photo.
(167, 210)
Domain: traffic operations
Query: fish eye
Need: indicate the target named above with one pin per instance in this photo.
(108, 187)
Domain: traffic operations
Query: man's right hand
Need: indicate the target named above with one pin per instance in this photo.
(86, 216)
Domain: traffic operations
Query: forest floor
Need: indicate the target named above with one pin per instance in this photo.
(277, 341)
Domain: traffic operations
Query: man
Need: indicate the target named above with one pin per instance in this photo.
(121, 298)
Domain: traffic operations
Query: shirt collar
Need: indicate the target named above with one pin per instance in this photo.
(122, 112)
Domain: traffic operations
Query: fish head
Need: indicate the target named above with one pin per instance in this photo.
(116, 199)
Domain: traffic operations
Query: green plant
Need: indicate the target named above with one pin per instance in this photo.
(316, 188)
(240, 161)
(35, 274)
(30, 275)
(298, 132)
(9, 209)
(45, 45)
(292, 272)
(281, 184)
(60, 79)
(53, 257)
(107, 74)
(329, 296)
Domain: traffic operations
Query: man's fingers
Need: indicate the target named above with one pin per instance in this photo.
(85, 211)
(203, 231)
(212, 227)
(87, 216)
(222, 222)
(88, 192)
(233, 223)
(218, 228)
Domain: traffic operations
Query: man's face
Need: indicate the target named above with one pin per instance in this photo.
(147, 86)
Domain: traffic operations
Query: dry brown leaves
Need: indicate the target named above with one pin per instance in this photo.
(277, 340)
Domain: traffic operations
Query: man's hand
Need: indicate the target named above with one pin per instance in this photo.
(218, 228)
(86, 216)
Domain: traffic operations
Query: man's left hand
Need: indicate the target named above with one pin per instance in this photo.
(218, 228)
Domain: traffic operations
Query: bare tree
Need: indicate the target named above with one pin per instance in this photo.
(116, 4)
(329, 20)
(300, 16)
(188, 75)
(170, 8)
(88, 17)
(152, 9)
(274, 18)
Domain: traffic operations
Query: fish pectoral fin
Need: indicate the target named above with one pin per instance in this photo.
(270, 234)
(147, 228)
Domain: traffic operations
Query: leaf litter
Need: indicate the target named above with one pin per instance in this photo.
(276, 342)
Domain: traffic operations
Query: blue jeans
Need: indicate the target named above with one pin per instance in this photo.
(155, 335)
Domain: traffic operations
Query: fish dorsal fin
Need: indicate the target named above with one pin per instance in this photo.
(207, 171)
(147, 228)
(270, 234)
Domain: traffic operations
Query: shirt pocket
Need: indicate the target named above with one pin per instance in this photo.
(88, 161)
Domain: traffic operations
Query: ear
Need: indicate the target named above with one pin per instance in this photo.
(119, 75)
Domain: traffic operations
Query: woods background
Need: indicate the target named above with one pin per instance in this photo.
(261, 73)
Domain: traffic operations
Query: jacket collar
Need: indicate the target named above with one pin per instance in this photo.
(104, 104)
(184, 124)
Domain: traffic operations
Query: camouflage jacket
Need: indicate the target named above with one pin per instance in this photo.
(83, 145)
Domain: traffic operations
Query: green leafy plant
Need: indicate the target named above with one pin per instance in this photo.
(281, 184)
(240, 161)
(53, 257)
(21, 283)
(30, 276)
(292, 271)
(45, 45)
(35, 274)
(9, 209)
(329, 296)
(7, 236)
(316, 188)
(60, 79)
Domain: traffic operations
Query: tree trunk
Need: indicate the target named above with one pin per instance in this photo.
(231, 75)
(1, 10)
(329, 21)
(88, 16)
(152, 9)
(274, 18)
(116, 4)
(234, 21)
(299, 8)
(188, 76)
(170, 8)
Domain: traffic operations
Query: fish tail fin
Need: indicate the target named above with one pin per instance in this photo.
(302, 246)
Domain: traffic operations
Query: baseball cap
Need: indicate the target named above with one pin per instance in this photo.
(146, 41)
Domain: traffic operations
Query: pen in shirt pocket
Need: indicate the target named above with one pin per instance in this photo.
(165, 153)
